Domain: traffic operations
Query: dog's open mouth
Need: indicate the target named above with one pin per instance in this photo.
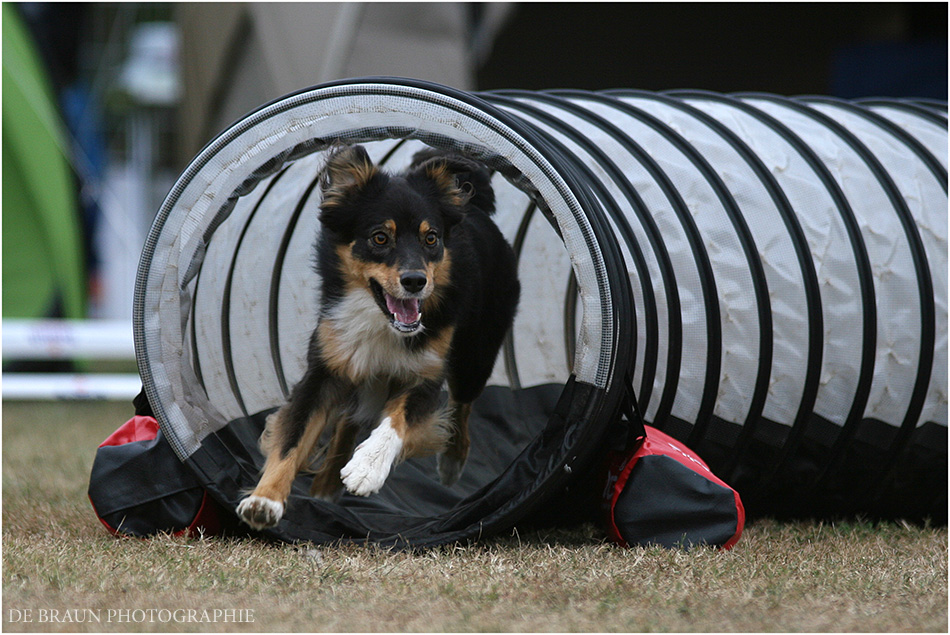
(403, 313)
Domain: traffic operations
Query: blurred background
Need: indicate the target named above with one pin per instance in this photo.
(105, 104)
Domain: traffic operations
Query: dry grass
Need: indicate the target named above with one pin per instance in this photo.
(780, 577)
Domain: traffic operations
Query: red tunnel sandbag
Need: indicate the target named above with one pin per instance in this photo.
(662, 493)
(138, 487)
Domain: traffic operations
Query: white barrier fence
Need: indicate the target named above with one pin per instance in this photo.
(66, 340)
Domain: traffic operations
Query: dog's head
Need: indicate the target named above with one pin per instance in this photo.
(390, 231)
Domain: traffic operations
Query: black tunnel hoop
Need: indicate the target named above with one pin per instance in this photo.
(749, 251)
(856, 244)
(733, 282)
(919, 258)
(613, 213)
(812, 294)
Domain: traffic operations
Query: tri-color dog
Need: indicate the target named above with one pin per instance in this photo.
(419, 288)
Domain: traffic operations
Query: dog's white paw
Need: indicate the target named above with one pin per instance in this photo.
(372, 460)
(260, 512)
(450, 468)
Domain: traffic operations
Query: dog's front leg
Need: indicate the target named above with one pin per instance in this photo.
(291, 441)
(372, 460)
(288, 441)
(412, 426)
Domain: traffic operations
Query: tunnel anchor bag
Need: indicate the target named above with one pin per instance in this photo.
(138, 487)
(662, 493)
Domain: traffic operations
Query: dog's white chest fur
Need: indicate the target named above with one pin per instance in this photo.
(359, 340)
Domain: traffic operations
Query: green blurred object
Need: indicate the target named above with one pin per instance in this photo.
(43, 263)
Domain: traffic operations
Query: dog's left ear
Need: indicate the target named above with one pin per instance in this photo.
(461, 182)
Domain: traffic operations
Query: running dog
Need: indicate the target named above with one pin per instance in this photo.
(419, 288)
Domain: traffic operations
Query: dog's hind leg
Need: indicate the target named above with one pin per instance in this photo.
(327, 484)
(452, 460)
(291, 441)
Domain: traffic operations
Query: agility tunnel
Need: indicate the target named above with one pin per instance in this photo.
(762, 278)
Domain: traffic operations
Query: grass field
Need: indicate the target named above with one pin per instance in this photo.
(60, 564)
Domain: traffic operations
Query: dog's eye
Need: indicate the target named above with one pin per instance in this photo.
(431, 238)
(380, 238)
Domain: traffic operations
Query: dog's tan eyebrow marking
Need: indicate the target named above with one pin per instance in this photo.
(391, 226)
(424, 228)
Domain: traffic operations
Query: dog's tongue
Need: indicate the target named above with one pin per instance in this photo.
(406, 311)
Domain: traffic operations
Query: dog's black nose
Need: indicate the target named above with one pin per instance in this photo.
(413, 281)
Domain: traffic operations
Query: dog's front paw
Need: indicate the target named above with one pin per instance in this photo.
(450, 468)
(373, 459)
(260, 512)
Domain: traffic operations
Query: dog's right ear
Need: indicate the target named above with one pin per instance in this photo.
(347, 170)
